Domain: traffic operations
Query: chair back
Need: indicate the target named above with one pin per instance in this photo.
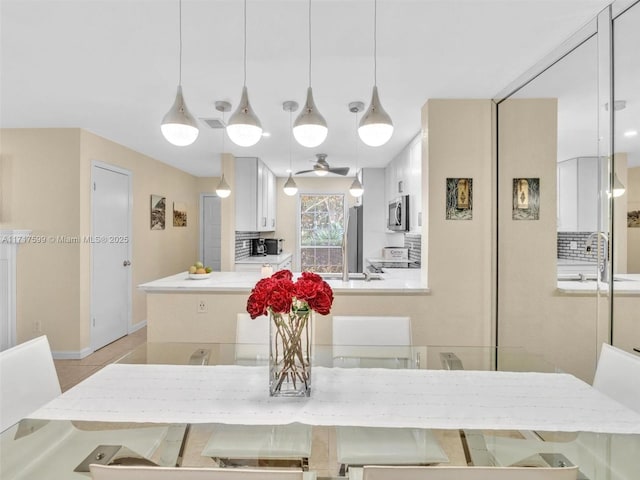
(28, 380)
(372, 341)
(252, 340)
(469, 473)
(118, 472)
(618, 376)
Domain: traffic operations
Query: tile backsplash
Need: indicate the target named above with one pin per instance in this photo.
(579, 240)
(241, 250)
(413, 241)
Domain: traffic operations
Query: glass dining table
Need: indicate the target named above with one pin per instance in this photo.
(35, 446)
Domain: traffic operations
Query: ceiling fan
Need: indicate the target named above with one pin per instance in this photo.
(321, 167)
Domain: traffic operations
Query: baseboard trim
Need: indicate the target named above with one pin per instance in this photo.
(137, 326)
(85, 352)
(72, 355)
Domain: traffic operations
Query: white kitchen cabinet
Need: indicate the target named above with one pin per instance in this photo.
(256, 198)
(403, 176)
(415, 185)
(578, 194)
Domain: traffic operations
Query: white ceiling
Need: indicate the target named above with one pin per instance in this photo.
(111, 67)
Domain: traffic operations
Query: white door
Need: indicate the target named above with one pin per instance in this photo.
(110, 251)
(210, 232)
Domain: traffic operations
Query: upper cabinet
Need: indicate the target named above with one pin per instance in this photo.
(403, 176)
(256, 199)
(578, 194)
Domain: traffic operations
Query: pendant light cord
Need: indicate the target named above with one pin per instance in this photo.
(375, 42)
(180, 34)
(245, 44)
(309, 42)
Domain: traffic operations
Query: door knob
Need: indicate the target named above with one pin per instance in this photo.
(126, 263)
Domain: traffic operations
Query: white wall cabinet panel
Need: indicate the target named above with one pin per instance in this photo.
(578, 195)
(256, 199)
(403, 176)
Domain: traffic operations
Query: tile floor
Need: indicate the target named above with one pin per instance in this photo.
(71, 372)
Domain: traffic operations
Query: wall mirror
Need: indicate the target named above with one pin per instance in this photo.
(548, 136)
(626, 206)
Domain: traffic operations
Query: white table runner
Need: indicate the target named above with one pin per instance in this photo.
(366, 397)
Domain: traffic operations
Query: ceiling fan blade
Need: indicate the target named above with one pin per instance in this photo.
(303, 171)
(340, 171)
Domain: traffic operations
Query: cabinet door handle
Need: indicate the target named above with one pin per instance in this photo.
(273, 222)
(264, 221)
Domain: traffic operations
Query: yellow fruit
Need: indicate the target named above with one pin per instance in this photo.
(208, 269)
(201, 270)
(199, 265)
(192, 269)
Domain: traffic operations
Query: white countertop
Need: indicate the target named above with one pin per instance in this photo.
(260, 259)
(394, 281)
(624, 284)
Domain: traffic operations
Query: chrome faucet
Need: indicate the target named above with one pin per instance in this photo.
(604, 266)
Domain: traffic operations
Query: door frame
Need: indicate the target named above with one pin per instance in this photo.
(107, 166)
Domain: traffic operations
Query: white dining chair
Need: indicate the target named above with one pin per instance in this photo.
(113, 472)
(616, 376)
(468, 473)
(231, 445)
(252, 340)
(381, 342)
(28, 382)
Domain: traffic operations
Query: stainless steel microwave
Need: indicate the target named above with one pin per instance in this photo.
(398, 219)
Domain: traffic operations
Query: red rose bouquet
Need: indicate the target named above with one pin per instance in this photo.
(279, 294)
(289, 305)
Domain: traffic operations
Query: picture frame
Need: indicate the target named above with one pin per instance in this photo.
(157, 214)
(526, 199)
(179, 214)
(459, 199)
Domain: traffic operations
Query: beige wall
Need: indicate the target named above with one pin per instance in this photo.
(633, 234)
(40, 183)
(46, 180)
(459, 144)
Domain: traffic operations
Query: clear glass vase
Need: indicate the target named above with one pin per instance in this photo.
(290, 353)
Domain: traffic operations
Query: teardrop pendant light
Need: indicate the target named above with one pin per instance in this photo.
(244, 128)
(376, 127)
(223, 190)
(290, 188)
(310, 128)
(178, 126)
(356, 189)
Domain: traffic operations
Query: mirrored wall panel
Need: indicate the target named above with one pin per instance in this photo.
(553, 228)
(626, 187)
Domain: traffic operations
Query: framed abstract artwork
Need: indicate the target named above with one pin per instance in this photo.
(459, 199)
(157, 212)
(526, 199)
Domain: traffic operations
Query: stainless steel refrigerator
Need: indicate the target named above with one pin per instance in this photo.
(354, 239)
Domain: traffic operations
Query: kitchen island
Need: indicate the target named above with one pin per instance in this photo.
(181, 309)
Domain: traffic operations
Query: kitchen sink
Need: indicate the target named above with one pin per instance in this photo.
(352, 276)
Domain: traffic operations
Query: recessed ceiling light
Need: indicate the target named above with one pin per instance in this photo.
(266, 134)
(631, 133)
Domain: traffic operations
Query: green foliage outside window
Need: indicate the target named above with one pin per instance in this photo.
(321, 232)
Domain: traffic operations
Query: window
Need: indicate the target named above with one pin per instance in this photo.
(321, 232)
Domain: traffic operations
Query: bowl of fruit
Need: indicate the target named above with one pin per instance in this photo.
(198, 271)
